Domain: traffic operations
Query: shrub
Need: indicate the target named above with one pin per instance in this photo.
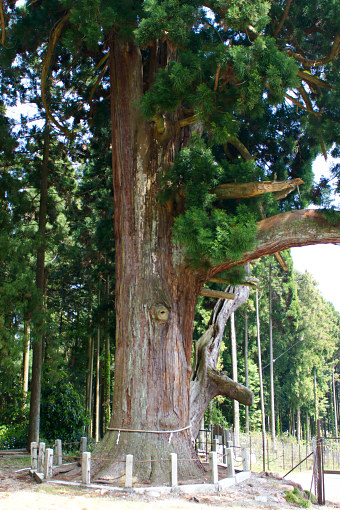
(62, 414)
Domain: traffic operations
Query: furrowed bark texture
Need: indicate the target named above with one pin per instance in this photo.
(207, 382)
(155, 290)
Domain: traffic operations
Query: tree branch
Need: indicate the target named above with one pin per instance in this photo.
(310, 78)
(307, 62)
(229, 388)
(288, 230)
(45, 69)
(253, 189)
(283, 18)
(2, 22)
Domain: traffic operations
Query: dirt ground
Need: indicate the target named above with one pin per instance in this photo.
(19, 492)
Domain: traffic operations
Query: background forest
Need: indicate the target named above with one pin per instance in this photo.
(57, 244)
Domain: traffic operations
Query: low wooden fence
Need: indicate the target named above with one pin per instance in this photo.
(43, 459)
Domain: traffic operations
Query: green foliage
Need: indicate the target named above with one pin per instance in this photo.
(213, 236)
(297, 498)
(13, 436)
(62, 411)
(209, 235)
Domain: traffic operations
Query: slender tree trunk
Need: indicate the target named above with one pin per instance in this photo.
(89, 384)
(107, 365)
(272, 396)
(236, 404)
(26, 359)
(316, 401)
(298, 425)
(34, 418)
(97, 399)
(261, 382)
(246, 365)
(335, 406)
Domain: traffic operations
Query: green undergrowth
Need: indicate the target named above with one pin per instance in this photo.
(298, 498)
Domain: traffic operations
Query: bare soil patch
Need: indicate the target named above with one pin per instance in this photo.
(18, 491)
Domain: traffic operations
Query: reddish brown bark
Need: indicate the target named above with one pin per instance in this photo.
(155, 289)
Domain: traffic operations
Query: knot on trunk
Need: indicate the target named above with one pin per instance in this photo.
(160, 313)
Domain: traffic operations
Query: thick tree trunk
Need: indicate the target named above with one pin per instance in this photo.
(156, 292)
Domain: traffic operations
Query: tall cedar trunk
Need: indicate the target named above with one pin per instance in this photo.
(156, 291)
(97, 399)
(107, 365)
(89, 384)
(34, 418)
(26, 359)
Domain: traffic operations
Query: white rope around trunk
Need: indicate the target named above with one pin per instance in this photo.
(171, 432)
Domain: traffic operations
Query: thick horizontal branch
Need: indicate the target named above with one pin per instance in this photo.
(230, 388)
(288, 230)
(216, 294)
(253, 189)
(248, 282)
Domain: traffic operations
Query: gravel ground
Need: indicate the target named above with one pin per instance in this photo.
(19, 492)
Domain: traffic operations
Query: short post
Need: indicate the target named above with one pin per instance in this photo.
(48, 464)
(173, 470)
(83, 444)
(230, 463)
(229, 444)
(34, 456)
(58, 452)
(86, 468)
(245, 457)
(215, 445)
(128, 470)
(213, 467)
(224, 454)
(41, 457)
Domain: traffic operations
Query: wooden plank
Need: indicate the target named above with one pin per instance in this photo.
(216, 294)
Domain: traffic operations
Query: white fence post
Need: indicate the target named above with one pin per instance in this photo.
(245, 457)
(41, 457)
(128, 470)
(213, 467)
(83, 444)
(58, 452)
(230, 463)
(86, 468)
(215, 445)
(48, 464)
(34, 456)
(173, 470)
(224, 454)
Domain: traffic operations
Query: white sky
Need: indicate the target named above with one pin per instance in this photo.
(322, 261)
